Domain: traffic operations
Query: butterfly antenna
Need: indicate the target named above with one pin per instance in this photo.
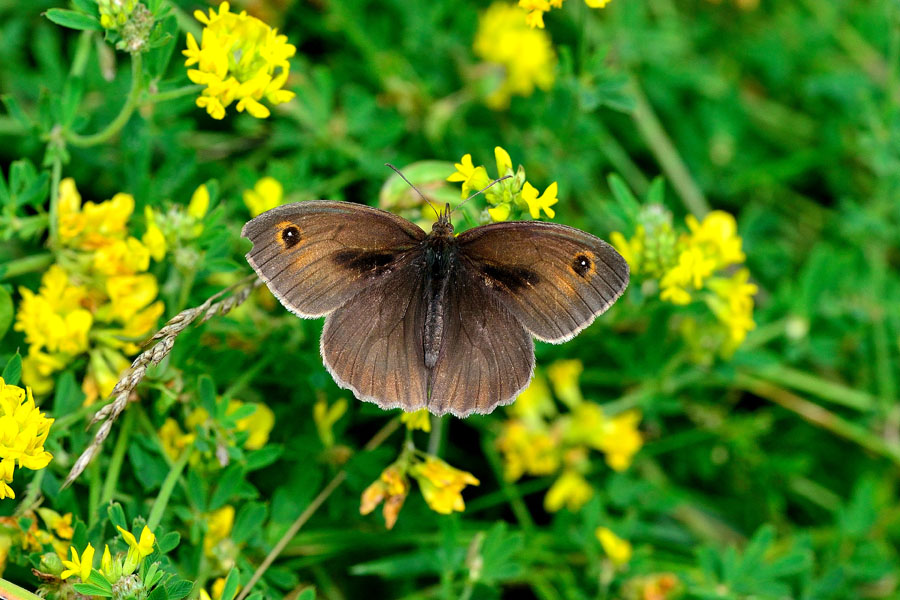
(403, 177)
(484, 189)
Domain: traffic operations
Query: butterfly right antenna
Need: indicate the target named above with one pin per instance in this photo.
(484, 189)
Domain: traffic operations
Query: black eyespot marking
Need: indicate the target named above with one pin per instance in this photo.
(290, 236)
(363, 261)
(582, 264)
(512, 278)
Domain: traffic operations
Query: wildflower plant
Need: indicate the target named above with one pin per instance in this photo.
(728, 429)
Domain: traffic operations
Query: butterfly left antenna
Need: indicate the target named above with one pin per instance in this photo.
(403, 177)
(484, 189)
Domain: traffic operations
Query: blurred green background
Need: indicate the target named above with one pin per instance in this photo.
(769, 471)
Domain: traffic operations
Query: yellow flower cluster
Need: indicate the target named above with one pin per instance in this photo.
(112, 569)
(537, 8)
(523, 56)
(115, 13)
(539, 440)
(258, 425)
(696, 263)
(266, 194)
(441, 486)
(617, 549)
(239, 58)
(23, 431)
(513, 194)
(53, 538)
(98, 299)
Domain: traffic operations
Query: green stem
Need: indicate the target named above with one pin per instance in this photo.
(82, 54)
(26, 264)
(168, 485)
(512, 492)
(811, 384)
(53, 224)
(187, 90)
(11, 591)
(819, 416)
(93, 493)
(620, 160)
(117, 459)
(124, 115)
(665, 152)
(437, 433)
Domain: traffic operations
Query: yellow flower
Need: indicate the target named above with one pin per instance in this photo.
(153, 238)
(631, 250)
(564, 375)
(259, 424)
(121, 257)
(733, 304)
(115, 13)
(392, 487)
(524, 55)
(617, 549)
(504, 162)
(597, 3)
(37, 368)
(499, 213)
(571, 490)
(691, 271)
(93, 225)
(53, 318)
(325, 416)
(267, 193)
(60, 524)
(239, 58)
(106, 562)
(535, 402)
(717, 234)
(620, 439)
(218, 527)
(473, 178)
(79, 566)
(137, 549)
(537, 204)
(199, 203)
(173, 439)
(71, 221)
(23, 431)
(442, 484)
(525, 449)
(419, 419)
(105, 367)
(130, 293)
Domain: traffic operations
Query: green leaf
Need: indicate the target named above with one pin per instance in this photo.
(6, 311)
(117, 516)
(207, 391)
(623, 195)
(231, 584)
(88, 7)
(12, 372)
(228, 483)
(73, 19)
(307, 594)
(16, 111)
(100, 581)
(178, 588)
(249, 521)
(89, 589)
(68, 396)
(168, 542)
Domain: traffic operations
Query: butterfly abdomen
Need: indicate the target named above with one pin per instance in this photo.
(440, 259)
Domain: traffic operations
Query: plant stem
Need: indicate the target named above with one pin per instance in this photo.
(310, 510)
(26, 264)
(817, 415)
(811, 384)
(187, 90)
(512, 492)
(124, 115)
(168, 485)
(620, 160)
(116, 460)
(53, 224)
(665, 152)
(11, 591)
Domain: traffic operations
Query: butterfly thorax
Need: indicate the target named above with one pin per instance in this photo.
(440, 261)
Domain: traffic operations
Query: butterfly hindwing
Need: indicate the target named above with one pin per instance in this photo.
(316, 255)
(555, 279)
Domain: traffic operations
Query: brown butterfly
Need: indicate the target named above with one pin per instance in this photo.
(436, 321)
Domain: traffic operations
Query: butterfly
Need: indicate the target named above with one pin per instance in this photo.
(432, 320)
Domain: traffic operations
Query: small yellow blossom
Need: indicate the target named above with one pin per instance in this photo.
(531, 450)
(442, 484)
(499, 213)
(80, 566)
(392, 487)
(122, 257)
(219, 524)
(733, 304)
(506, 37)
(619, 439)
(419, 419)
(259, 424)
(93, 225)
(115, 13)
(106, 562)
(597, 3)
(617, 549)
(537, 8)
(267, 193)
(538, 203)
(504, 162)
(535, 402)
(473, 178)
(239, 58)
(60, 524)
(325, 416)
(173, 439)
(153, 238)
(199, 203)
(130, 294)
(570, 489)
(631, 250)
(137, 549)
(23, 431)
(564, 375)
(54, 317)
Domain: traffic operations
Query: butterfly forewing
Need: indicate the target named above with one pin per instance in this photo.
(315, 256)
(554, 279)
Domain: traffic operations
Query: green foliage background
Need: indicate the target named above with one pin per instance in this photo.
(772, 474)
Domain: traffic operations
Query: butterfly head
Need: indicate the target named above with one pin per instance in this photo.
(443, 226)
